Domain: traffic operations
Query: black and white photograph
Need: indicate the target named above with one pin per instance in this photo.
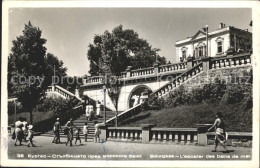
(130, 84)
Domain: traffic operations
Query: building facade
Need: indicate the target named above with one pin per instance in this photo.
(219, 41)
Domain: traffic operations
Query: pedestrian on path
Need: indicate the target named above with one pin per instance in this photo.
(19, 135)
(70, 126)
(98, 109)
(97, 132)
(85, 131)
(220, 133)
(30, 136)
(56, 131)
(77, 135)
(25, 128)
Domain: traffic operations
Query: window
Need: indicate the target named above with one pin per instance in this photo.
(201, 51)
(220, 47)
(184, 55)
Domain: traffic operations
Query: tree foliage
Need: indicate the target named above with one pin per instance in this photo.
(29, 68)
(114, 51)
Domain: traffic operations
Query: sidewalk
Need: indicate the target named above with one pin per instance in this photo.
(121, 151)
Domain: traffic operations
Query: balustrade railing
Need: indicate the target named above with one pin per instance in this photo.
(123, 75)
(125, 114)
(176, 135)
(142, 72)
(95, 79)
(225, 62)
(172, 67)
(179, 80)
(124, 134)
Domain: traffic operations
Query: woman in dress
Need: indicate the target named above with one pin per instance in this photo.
(19, 135)
(220, 133)
(70, 126)
(98, 109)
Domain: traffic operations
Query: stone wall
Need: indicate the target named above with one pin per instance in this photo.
(236, 75)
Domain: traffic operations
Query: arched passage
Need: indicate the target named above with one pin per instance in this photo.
(137, 91)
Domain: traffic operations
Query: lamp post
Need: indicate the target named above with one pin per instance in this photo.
(207, 29)
(15, 106)
(104, 91)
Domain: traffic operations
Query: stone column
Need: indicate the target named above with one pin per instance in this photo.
(201, 132)
(103, 136)
(128, 71)
(146, 132)
(156, 68)
(206, 64)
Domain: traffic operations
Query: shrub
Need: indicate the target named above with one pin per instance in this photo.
(58, 106)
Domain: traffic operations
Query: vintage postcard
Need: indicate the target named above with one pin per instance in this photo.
(130, 84)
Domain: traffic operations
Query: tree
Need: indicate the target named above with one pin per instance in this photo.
(119, 49)
(27, 67)
(112, 52)
(52, 63)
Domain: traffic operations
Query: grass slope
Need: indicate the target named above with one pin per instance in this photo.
(188, 116)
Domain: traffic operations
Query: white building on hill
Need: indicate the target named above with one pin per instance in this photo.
(219, 41)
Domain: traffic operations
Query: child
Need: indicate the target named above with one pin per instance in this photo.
(85, 131)
(30, 136)
(77, 135)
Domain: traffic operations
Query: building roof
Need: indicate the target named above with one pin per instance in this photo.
(201, 34)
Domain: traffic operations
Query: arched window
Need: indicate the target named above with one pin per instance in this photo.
(200, 50)
(183, 54)
(220, 44)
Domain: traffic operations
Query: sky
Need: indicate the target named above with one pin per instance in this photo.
(69, 31)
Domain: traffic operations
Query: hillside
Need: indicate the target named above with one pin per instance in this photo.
(235, 117)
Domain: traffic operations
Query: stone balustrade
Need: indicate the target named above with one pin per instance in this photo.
(147, 133)
(142, 72)
(179, 80)
(125, 114)
(95, 79)
(225, 62)
(61, 91)
(176, 135)
(172, 67)
(123, 75)
(124, 134)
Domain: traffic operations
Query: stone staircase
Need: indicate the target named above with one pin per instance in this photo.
(79, 123)
(162, 91)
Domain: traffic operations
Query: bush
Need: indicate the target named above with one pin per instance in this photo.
(59, 106)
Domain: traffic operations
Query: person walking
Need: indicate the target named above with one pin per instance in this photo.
(85, 131)
(56, 130)
(70, 126)
(30, 136)
(77, 135)
(97, 132)
(19, 135)
(25, 128)
(98, 109)
(220, 133)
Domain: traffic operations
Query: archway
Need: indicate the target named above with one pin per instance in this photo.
(137, 91)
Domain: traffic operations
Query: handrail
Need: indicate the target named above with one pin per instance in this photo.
(178, 77)
(113, 118)
(64, 90)
(125, 128)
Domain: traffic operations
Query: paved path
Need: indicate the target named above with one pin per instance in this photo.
(120, 151)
